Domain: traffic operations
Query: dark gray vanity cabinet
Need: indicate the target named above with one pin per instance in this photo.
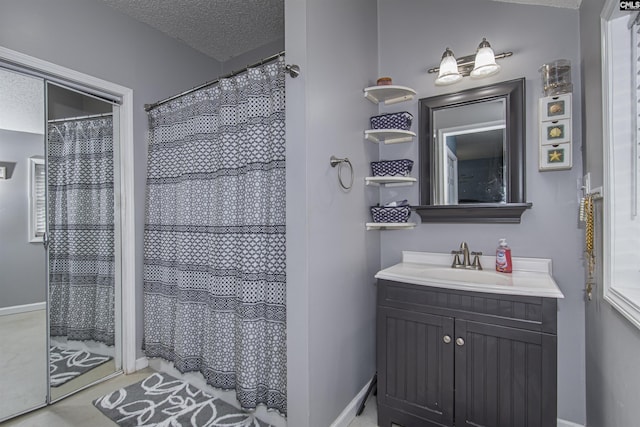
(457, 358)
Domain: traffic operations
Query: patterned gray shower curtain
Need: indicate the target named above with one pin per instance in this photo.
(214, 242)
(81, 229)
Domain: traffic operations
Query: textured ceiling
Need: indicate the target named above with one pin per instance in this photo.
(223, 29)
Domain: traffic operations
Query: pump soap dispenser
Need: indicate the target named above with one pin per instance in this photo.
(503, 257)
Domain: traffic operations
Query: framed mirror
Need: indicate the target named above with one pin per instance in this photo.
(472, 155)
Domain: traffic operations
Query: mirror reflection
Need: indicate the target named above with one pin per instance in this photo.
(80, 239)
(23, 296)
(59, 269)
(472, 155)
(469, 154)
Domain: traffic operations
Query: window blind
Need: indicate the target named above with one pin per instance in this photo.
(39, 202)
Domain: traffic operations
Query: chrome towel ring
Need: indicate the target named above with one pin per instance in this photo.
(335, 161)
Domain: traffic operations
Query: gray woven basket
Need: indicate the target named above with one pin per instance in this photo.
(390, 214)
(400, 167)
(400, 121)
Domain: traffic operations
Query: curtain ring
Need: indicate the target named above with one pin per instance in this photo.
(334, 161)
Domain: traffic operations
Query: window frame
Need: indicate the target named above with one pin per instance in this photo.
(623, 297)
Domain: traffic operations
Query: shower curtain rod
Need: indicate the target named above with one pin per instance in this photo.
(149, 107)
(90, 116)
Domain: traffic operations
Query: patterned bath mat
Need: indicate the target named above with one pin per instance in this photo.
(66, 364)
(161, 400)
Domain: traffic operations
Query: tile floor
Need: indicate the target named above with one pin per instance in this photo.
(23, 365)
(369, 416)
(77, 410)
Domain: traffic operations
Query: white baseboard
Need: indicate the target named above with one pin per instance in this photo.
(349, 413)
(141, 363)
(23, 308)
(565, 423)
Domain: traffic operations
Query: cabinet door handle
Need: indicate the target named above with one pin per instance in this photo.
(446, 339)
(460, 342)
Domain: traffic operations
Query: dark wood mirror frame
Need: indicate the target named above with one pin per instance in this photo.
(513, 92)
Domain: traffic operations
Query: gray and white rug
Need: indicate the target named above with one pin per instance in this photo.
(161, 400)
(66, 364)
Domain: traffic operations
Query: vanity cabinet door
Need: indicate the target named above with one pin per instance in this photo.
(501, 373)
(415, 356)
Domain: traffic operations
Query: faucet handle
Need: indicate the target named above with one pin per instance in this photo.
(456, 259)
(476, 260)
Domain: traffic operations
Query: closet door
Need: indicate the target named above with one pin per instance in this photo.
(23, 307)
(83, 245)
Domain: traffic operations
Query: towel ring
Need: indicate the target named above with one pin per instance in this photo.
(334, 161)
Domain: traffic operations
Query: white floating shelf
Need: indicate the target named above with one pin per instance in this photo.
(389, 136)
(390, 225)
(389, 94)
(390, 181)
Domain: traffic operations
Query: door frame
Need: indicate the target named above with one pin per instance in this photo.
(126, 311)
(451, 162)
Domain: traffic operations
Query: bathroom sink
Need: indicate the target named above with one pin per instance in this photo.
(480, 277)
(530, 277)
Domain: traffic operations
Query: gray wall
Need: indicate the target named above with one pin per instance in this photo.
(591, 70)
(612, 342)
(22, 264)
(241, 61)
(92, 38)
(412, 36)
(331, 259)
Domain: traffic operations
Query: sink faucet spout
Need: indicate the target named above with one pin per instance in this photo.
(464, 248)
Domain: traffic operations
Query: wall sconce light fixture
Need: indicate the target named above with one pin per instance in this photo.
(479, 65)
(448, 71)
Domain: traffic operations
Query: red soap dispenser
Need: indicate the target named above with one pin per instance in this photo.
(503, 257)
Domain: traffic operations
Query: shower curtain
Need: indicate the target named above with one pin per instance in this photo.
(81, 229)
(214, 242)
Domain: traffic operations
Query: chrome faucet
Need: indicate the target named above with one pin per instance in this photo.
(464, 247)
(466, 258)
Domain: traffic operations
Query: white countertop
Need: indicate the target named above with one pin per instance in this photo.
(530, 277)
